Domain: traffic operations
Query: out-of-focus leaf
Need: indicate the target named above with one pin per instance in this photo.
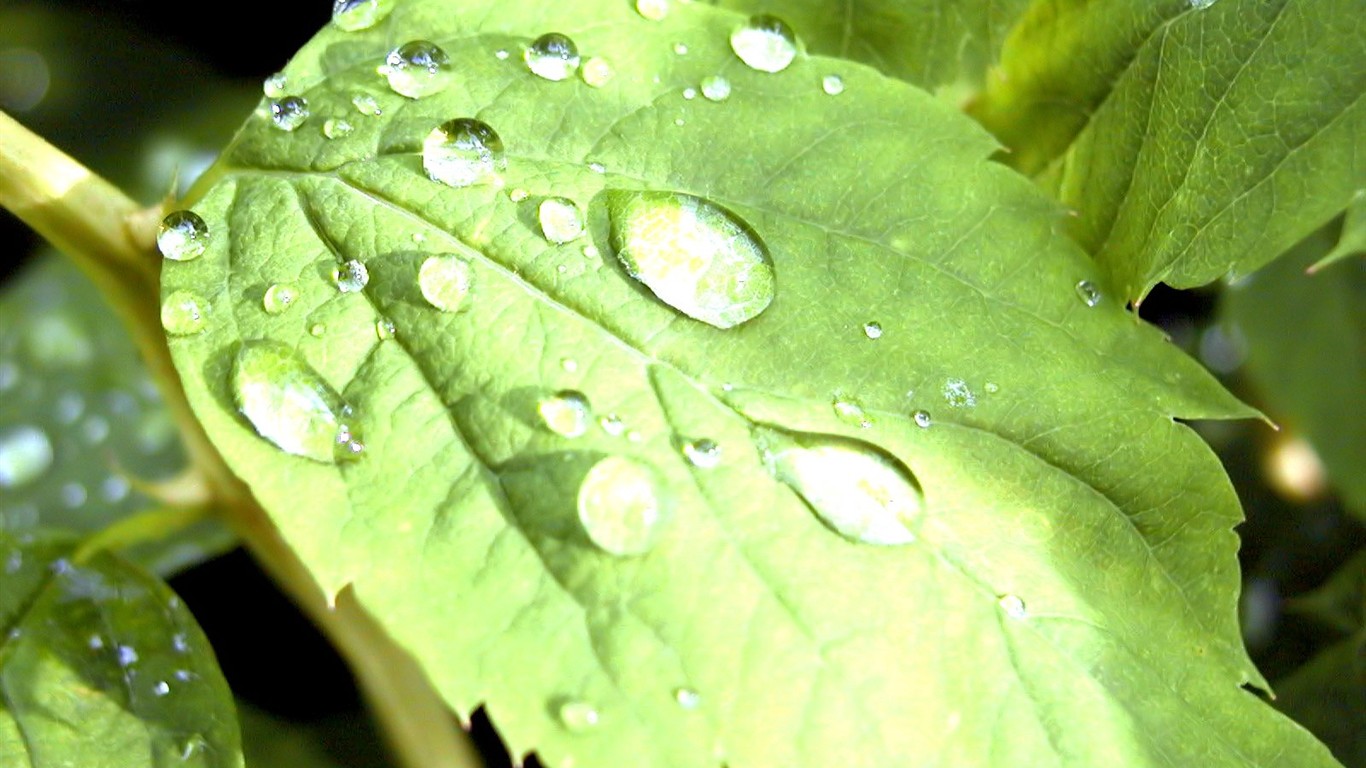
(1352, 241)
(102, 665)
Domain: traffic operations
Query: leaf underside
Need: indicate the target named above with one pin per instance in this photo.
(1063, 480)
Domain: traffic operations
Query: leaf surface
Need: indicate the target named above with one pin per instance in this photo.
(1068, 598)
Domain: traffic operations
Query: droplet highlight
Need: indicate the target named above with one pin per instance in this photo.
(462, 153)
(552, 56)
(765, 43)
(619, 506)
(289, 403)
(183, 313)
(417, 69)
(561, 220)
(182, 236)
(567, 413)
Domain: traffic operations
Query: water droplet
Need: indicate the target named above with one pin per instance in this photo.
(991, 387)
(445, 282)
(183, 313)
(353, 15)
(922, 419)
(1201, 4)
(275, 86)
(703, 454)
(850, 411)
(462, 153)
(872, 330)
(612, 424)
(687, 698)
(569, 364)
(280, 297)
(857, 490)
(366, 105)
(95, 430)
(180, 642)
(832, 84)
(596, 167)
(385, 329)
(289, 113)
(351, 277)
(182, 236)
(715, 88)
(765, 43)
(958, 395)
(95, 643)
(561, 220)
(1089, 293)
(597, 72)
(126, 655)
(552, 56)
(25, 454)
(591, 252)
(161, 688)
(290, 404)
(417, 69)
(578, 715)
(619, 506)
(500, 54)
(518, 195)
(115, 488)
(566, 413)
(689, 94)
(334, 128)
(317, 330)
(1013, 606)
(654, 10)
(681, 49)
(696, 256)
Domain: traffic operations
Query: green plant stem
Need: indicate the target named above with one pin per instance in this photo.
(112, 239)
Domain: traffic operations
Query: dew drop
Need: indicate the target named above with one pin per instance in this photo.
(518, 195)
(855, 489)
(569, 364)
(703, 453)
(462, 153)
(612, 424)
(280, 297)
(552, 56)
(872, 330)
(619, 506)
(385, 329)
(561, 220)
(500, 54)
(991, 387)
(275, 85)
(597, 72)
(25, 454)
(850, 411)
(1088, 293)
(1013, 606)
(680, 49)
(566, 413)
(715, 88)
(654, 10)
(317, 330)
(578, 715)
(958, 395)
(445, 282)
(688, 94)
(335, 128)
(289, 113)
(126, 655)
(694, 255)
(351, 277)
(765, 43)
(366, 105)
(183, 313)
(417, 69)
(598, 168)
(290, 404)
(182, 236)
(687, 698)
(832, 84)
(591, 252)
(922, 419)
(161, 688)
(354, 15)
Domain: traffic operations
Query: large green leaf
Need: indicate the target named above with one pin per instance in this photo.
(1237, 130)
(103, 666)
(1306, 337)
(1068, 598)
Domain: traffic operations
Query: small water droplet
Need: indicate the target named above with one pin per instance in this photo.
(417, 69)
(385, 329)
(351, 276)
(872, 330)
(578, 715)
(289, 113)
(832, 84)
(765, 43)
(689, 94)
(591, 252)
(597, 72)
(317, 330)
(194, 745)
(275, 86)
(95, 430)
(1088, 293)
(612, 424)
(596, 167)
(180, 642)
(366, 105)
(566, 413)
(715, 88)
(694, 255)
(680, 49)
(95, 643)
(703, 453)
(561, 220)
(127, 657)
(569, 365)
(183, 313)
(462, 153)
(687, 698)
(70, 406)
(552, 56)
(182, 236)
(161, 688)
(280, 297)
(991, 387)
(25, 454)
(335, 128)
(922, 419)
(619, 506)
(500, 54)
(958, 395)
(354, 15)
(518, 194)
(856, 490)
(1013, 606)
(654, 10)
(1201, 4)
(115, 488)
(445, 282)
(850, 411)
(290, 404)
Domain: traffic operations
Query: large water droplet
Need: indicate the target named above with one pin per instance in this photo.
(462, 153)
(552, 56)
(25, 454)
(289, 113)
(417, 69)
(566, 413)
(182, 236)
(715, 88)
(445, 282)
(654, 10)
(353, 15)
(290, 404)
(1088, 293)
(597, 72)
(183, 313)
(280, 297)
(561, 220)
(619, 506)
(578, 715)
(765, 43)
(696, 256)
(351, 276)
(857, 490)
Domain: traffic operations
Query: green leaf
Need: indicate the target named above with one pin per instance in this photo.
(81, 422)
(583, 502)
(930, 43)
(1306, 337)
(103, 666)
(1236, 131)
(1352, 241)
